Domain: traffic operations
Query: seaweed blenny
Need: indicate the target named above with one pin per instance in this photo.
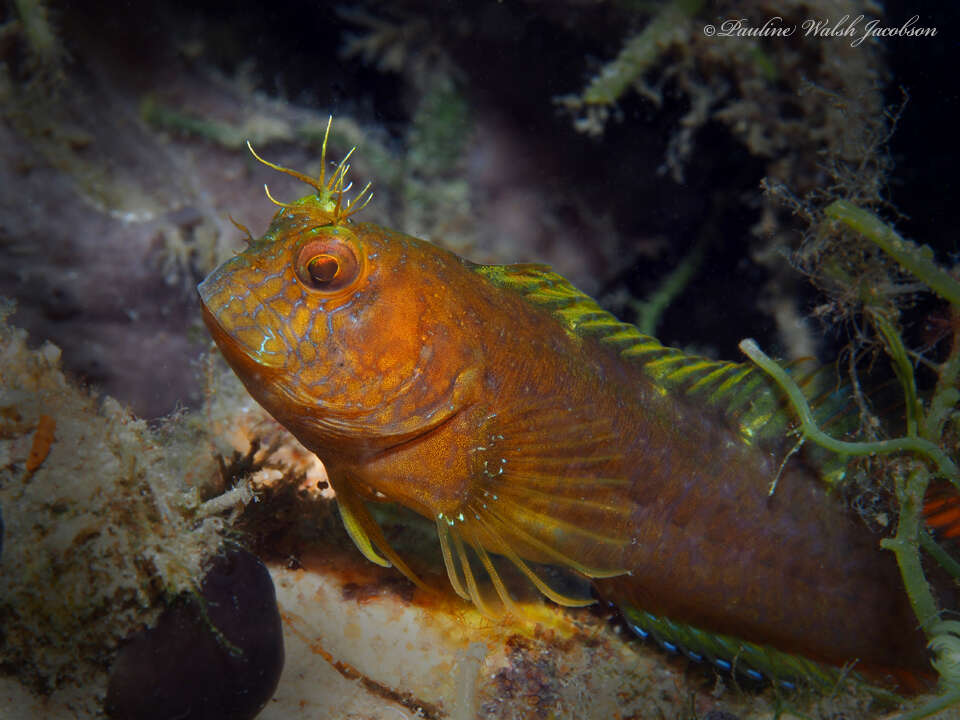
(545, 438)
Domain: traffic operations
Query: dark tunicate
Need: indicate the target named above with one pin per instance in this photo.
(214, 657)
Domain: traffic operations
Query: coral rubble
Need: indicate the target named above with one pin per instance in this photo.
(98, 531)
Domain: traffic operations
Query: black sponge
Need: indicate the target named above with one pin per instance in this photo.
(208, 658)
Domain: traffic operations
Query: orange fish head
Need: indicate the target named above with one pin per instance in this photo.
(343, 332)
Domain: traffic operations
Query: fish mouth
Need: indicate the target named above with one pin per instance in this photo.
(237, 353)
(228, 346)
(210, 286)
(229, 316)
(214, 327)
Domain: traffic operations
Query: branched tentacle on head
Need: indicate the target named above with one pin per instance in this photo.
(329, 193)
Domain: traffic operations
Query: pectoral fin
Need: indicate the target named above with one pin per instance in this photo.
(548, 509)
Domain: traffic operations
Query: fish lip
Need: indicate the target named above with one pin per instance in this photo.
(209, 285)
(201, 289)
(213, 325)
(234, 351)
(219, 334)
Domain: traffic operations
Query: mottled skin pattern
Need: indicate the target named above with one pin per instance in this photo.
(423, 381)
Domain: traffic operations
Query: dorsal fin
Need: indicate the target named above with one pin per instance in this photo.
(755, 406)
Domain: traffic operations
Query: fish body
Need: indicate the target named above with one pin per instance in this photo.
(546, 440)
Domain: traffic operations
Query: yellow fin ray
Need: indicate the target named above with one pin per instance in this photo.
(367, 535)
(473, 586)
(530, 508)
(547, 551)
(484, 570)
(499, 545)
(453, 570)
(498, 583)
(463, 578)
(359, 536)
(752, 404)
(544, 588)
(551, 482)
(547, 496)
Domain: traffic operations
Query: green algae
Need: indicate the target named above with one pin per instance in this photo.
(922, 454)
(915, 259)
(639, 53)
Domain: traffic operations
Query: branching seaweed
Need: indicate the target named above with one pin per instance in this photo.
(638, 55)
(917, 260)
(922, 445)
(810, 430)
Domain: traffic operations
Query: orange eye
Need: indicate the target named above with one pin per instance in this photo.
(330, 264)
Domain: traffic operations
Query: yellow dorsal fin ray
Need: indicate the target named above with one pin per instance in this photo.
(753, 404)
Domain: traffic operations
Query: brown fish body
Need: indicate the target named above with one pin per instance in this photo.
(707, 545)
(537, 431)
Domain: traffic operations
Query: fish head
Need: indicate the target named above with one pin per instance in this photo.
(344, 332)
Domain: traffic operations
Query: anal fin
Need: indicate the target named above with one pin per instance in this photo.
(729, 654)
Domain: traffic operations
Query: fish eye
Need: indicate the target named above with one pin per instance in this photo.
(328, 264)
